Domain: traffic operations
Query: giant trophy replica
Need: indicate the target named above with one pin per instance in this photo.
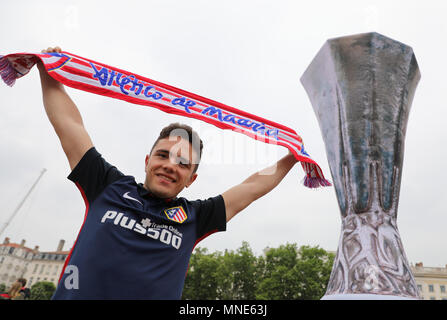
(361, 88)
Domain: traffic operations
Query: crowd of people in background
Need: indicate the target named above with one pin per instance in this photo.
(17, 291)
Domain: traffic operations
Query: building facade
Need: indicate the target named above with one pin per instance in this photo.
(18, 261)
(46, 266)
(431, 282)
(14, 260)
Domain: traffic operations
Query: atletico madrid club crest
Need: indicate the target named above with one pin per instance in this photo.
(176, 214)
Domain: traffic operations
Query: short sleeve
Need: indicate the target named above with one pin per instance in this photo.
(211, 216)
(93, 174)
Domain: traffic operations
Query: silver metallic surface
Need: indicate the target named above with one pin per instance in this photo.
(361, 88)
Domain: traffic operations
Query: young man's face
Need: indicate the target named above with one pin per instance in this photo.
(170, 167)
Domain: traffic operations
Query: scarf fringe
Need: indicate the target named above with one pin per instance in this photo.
(7, 72)
(315, 182)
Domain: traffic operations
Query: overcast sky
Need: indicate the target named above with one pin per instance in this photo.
(246, 54)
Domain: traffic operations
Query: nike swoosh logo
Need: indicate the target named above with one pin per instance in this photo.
(126, 195)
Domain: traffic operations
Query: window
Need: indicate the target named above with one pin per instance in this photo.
(431, 288)
(432, 298)
(442, 288)
(420, 288)
(35, 268)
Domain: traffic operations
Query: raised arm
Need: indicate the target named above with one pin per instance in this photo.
(64, 116)
(257, 185)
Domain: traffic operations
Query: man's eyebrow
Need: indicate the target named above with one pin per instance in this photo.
(162, 151)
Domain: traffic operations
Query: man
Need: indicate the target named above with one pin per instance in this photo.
(136, 239)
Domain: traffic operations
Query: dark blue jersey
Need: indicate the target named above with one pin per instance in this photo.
(132, 245)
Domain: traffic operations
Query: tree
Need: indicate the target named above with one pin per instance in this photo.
(224, 276)
(237, 274)
(201, 280)
(283, 273)
(289, 273)
(245, 266)
(279, 276)
(42, 290)
(313, 271)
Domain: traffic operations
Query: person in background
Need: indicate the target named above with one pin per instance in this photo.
(26, 292)
(13, 292)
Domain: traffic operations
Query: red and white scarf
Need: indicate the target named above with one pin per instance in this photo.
(88, 75)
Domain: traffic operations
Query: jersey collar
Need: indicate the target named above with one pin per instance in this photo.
(143, 192)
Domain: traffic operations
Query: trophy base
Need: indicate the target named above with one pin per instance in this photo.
(364, 296)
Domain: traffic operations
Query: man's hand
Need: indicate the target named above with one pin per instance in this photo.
(64, 115)
(257, 185)
(48, 50)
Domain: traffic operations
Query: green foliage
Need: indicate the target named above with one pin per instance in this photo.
(279, 274)
(224, 276)
(202, 275)
(2, 288)
(314, 269)
(237, 274)
(42, 290)
(282, 273)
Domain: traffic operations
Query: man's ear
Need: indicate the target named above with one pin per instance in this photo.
(191, 180)
(146, 161)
